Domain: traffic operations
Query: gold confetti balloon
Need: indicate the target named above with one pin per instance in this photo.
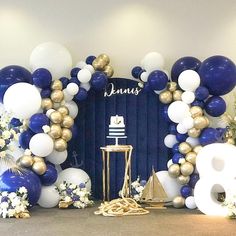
(200, 122)
(63, 110)
(55, 131)
(196, 111)
(174, 170)
(186, 169)
(57, 96)
(194, 133)
(183, 179)
(178, 202)
(67, 122)
(56, 117)
(39, 167)
(46, 104)
(172, 86)
(26, 161)
(184, 148)
(165, 97)
(60, 145)
(57, 85)
(191, 157)
(177, 95)
(66, 134)
(108, 70)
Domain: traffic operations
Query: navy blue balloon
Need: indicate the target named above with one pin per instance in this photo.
(98, 81)
(182, 64)
(74, 71)
(11, 75)
(136, 71)
(208, 136)
(15, 122)
(201, 93)
(158, 80)
(65, 81)
(25, 138)
(42, 78)
(37, 121)
(173, 129)
(45, 93)
(181, 137)
(176, 157)
(175, 148)
(218, 74)
(74, 80)
(215, 106)
(165, 113)
(186, 191)
(89, 60)
(146, 88)
(193, 180)
(198, 103)
(81, 95)
(11, 181)
(50, 176)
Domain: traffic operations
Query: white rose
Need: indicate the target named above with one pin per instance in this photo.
(4, 194)
(4, 205)
(72, 186)
(62, 187)
(68, 199)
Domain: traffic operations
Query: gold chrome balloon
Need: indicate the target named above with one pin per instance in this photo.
(46, 104)
(57, 96)
(178, 202)
(108, 70)
(172, 86)
(184, 148)
(166, 97)
(38, 159)
(196, 111)
(174, 170)
(26, 161)
(183, 179)
(194, 133)
(231, 141)
(57, 85)
(55, 131)
(197, 148)
(105, 58)
(60, 145)
(56, 117)
(200, 122)
(66, 134)
(67, 122)
(177, 95)
(39, 167)
(98, 64)
(63, 110)
(191, 157)
(186, 169)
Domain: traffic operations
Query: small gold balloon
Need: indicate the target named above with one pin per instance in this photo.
(55, 131)
(178, 202)
(66, 134)
(60, 145)
(104, 58)
(108, 70)
(67, 122)
(98, 64)
(39, 168)
(197, 148)
(56, 117)
(186, 169)
(231, 141)
(184, 148)
(63, 110)
(191, 157)
(172, 86)
(46, 104)
(56, 85)
(194, 133)
(166, 97)
(174, 170)
(183, 179)
(38, 159)
(26, 161)
(196, 111)
(177, 95)
(57, 96)
(56, 105)
(200, 122)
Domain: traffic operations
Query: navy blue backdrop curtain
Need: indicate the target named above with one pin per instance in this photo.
(145, 129)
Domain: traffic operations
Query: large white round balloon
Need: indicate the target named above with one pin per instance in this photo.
(49, 197)
(72, 89)
(57, 157)
(52, 56)
(189, 80)
(170, 185)
(73, 108)
(177, 111)
(153, 61)
(22, 100)
(170, 140)
(41, 145)
(74, 176)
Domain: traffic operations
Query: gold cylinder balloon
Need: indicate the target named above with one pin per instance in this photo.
(60, 145)
(184, 148)
(183, 179)
(46, 104)
(108, 70)
(177, 95)
(105, 58)
(200, 122)
(56, 117)
(39, 167)
(191, 157)
(67, 122)
(172, 86)
(57, 96)
(178, 202)
(186, 169)
(174, 170)
(196, 111)
(55, 131)
(38, 159)
(63, 110)
(57, 85)
(197, 148)
(166, 97)
(66, 134)
(26, 161)
(194, 133)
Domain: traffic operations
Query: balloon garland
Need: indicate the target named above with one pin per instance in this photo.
(192, 103)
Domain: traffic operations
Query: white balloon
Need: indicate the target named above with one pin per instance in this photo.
(170, 185)
(177, 111)
(181, 129)
(49, 112)
(169, 163)
(52, 56)
(189, 80)
(58, 168)
(86, 86)
(188, 97)
(170, 140)
(190, 202)
(144, 76)
(72, 89)
(57, 157)
(41, 145)
(74, 176)
(67, 97)
(153, 61)
(22, 100)
(49, 197)
(73, 108)
(192, 141)
(84, 75)
(187, 122)
(81, 64)
(90, 68)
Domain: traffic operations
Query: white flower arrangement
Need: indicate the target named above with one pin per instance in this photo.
(74, 195)
(14, 204)
(230, 204)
